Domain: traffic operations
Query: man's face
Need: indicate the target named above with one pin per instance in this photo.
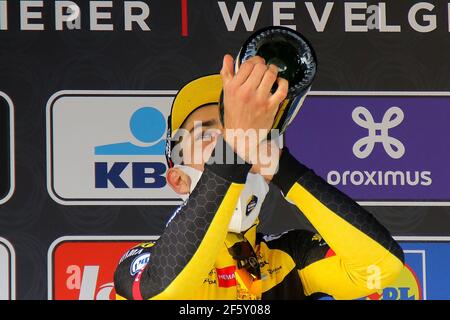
(196, 144)
(199, 130)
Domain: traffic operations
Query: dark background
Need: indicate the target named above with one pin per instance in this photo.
(36, 64)
(4, 148)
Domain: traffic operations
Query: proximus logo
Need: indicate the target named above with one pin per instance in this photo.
(378, 132)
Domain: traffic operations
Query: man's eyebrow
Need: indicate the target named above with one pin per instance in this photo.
(208, 123)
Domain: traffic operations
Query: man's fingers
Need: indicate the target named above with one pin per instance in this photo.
(254, 79)
(243, 73)
(256, 59)
(281, 92)
(227, 71)
(270, 76)
(246, 69)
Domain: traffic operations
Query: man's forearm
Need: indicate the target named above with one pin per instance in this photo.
(186, 251)
(351, 231)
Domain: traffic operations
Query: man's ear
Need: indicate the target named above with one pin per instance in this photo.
(179, 181)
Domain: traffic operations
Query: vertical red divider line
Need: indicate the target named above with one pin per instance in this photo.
(184, 18)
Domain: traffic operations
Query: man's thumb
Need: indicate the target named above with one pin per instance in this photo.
(227, 71)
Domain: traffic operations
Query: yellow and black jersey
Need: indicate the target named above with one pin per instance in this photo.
(351, 256)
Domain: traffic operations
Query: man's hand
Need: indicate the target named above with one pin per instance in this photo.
(250, 107)
(268, 160)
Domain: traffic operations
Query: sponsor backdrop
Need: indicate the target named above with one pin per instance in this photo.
(82, 268)
(86, 86)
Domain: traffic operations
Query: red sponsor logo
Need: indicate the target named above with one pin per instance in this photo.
(226, 277)
(84, 270)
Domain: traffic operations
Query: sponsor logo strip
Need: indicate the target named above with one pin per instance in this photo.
(379, 148)
(82, 268)
(108, 147)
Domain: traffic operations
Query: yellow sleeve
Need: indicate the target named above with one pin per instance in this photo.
(191, 276)
(366, 257)
(186, 251)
